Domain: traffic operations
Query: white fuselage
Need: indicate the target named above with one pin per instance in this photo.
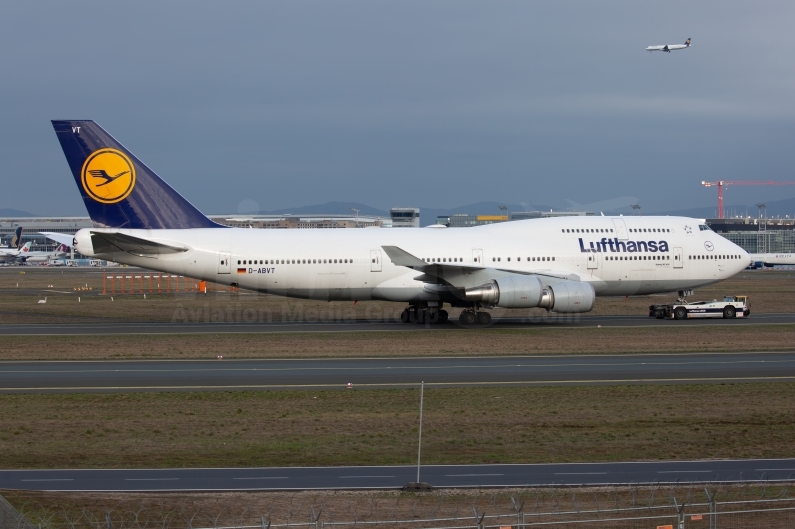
(773, 258)
(616, 255)
(8, 254)
(13, 254)
(39, 257)
(668, 47)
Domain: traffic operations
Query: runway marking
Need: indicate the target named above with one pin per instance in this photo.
(349, 369)
(579, 473)
(353, 477)
(470, 475)
(405, 384)
(266, 477)
(774, 470)
(49, 479)
(151, 479)
(684, 471)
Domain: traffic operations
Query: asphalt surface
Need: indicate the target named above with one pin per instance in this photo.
(195, 375)
(393, 477)
(381, 325)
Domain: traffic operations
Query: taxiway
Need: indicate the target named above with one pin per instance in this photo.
(394, 477)
(320, 373)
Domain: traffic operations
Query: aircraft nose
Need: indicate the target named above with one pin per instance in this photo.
(745, 258)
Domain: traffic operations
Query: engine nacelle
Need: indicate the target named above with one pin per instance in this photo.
(524, 292)
(511, 292)
(82, 242)
(569, 296)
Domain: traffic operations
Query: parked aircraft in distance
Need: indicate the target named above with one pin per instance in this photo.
(15, 248)
(670, 47)
(759, 260)
(28, 256)
(560, 264)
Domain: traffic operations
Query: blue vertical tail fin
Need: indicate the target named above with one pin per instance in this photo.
(16, 239)
(119, 191)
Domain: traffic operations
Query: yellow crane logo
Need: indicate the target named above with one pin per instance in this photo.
(108, 176)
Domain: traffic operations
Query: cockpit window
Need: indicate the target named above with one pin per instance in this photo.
(703, 227)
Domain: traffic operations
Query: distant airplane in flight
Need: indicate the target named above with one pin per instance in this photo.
(670, 47)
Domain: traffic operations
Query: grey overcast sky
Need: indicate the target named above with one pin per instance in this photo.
(404, 103)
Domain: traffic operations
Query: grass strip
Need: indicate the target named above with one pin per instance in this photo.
(378, 427)
(607, 340)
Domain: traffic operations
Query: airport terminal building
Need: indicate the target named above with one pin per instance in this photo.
(31, 226)
(758, 235)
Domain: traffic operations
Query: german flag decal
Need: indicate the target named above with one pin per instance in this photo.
(241, 270)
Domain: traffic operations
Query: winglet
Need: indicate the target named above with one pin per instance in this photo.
(401, 257)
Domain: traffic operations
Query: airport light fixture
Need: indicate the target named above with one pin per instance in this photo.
(356, 211)
(419, 485)
(635, 209)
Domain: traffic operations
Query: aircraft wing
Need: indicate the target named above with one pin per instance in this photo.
(432, 272)
(115, 242)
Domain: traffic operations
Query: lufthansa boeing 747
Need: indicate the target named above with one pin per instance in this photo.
(560, 264)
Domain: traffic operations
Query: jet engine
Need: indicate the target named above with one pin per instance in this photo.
(523, 292)
(569, 296)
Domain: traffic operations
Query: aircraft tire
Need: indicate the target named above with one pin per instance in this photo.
(443, 316)
(680, 313)
(467, 318)
(484, 318)
(405, 317)
(729, 312)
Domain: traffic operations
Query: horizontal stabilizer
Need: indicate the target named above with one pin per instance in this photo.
(60, 238)
(401, 257)
(114, 242)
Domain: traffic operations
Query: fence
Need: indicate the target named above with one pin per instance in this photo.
(709, 506)
(157, 283)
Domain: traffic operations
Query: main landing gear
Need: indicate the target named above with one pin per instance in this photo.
(419, 314)
(470, 317)
(425, 314)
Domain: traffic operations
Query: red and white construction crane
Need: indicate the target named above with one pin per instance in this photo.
(723, 183)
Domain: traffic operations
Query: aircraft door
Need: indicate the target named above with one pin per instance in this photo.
(593, 260)
(375, 260)
(477, 256)
(621, 229)
(224, 263)
(678, 262)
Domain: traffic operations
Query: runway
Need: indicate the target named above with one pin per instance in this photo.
(394, 477)
(378, 325)
(259, 374)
